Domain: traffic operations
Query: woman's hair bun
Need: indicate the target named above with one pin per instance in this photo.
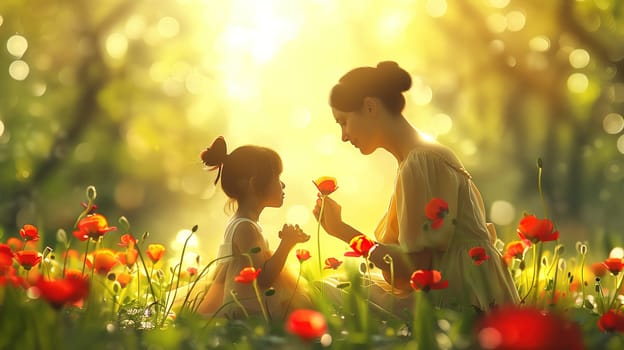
(215, 155)
(394, 77)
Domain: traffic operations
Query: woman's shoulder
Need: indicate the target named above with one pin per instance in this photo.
(432, 152)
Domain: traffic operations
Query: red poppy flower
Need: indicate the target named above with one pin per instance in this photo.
(123, 279)
(192, 271)
(155, 252)
(326, 185)
(599, 269)
(436, 210)
(515, 250)
(427, 279)
(614, 265)
(70, 290)
(29, 233)
(102, 261)
(247, 275)
(92, 226)
(6, 258)
(306, 324)
(611, 321)
(10, 276)
(28, 258)
(536, 230)
(478, 255)
(15, 243)
(332, 263)
(360, 246)
(302, 254)
(514, 327)
(127, 240)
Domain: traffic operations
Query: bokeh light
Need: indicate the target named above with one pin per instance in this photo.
(17, 45)
(613, 123)
(19, 70)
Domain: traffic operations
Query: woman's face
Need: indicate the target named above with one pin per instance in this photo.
(357, 128)
(275, 192)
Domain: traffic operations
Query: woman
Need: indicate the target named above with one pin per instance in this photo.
(367, 103)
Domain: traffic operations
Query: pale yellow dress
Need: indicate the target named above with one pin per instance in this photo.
(286, 298)
(431, 171)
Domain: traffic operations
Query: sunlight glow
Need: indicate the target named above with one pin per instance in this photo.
(299, 214)
(579, 58)
(578, 82)
(19, 70)
(17, 45)
(515, 21)
(1, 128)
(620, 144)
(135, 27)
(616, 252)
(420, 93)
(539, 43)
(613, 123)
(496, 23)
(499, 3)
(502, 212)
(436, 8)
(168, 27)
(116, 45)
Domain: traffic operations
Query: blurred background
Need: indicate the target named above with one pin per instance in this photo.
(124, 95)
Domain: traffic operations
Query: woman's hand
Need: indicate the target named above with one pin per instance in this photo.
(332, 216)
(291, 235)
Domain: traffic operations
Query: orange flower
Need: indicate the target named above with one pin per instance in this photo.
(536, 230)
(70, 290)
(127, 240)
(515, 250)
(436, 210)
(28, 258)
(155, 252)
(302, 255)
(332, 263)
(478, 255)
(306, 324)
(611, 321)
(102, 261)
(129, 257)
(360, 246)
(123, 279)
(247, 275)
(599, 269)
(92, 226)
(614, 265)
(326, 185)
(15, 243)
(29, 233)
(427, 279)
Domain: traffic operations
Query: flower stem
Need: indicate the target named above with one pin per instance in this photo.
(294, 292)
(264, 313)
(618, 286)
(233, 294)
(318, 235)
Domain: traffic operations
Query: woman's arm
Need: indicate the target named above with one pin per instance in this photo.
(404, 263)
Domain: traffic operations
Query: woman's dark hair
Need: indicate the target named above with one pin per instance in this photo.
(238, 167)
(387, 82)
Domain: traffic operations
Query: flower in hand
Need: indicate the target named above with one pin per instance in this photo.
(326, 185)
(360, 246)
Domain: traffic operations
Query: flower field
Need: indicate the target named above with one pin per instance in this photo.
(105, 287)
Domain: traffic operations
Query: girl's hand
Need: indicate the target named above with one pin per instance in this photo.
(332, 216)
(292, 235)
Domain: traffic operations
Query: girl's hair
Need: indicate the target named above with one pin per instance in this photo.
(238, 167)
(387, 82)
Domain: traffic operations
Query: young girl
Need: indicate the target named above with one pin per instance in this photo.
(250, 177)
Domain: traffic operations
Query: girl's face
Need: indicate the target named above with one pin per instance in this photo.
(275, 193)
(357, 128)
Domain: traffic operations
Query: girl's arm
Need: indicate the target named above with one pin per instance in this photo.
(247, 237)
